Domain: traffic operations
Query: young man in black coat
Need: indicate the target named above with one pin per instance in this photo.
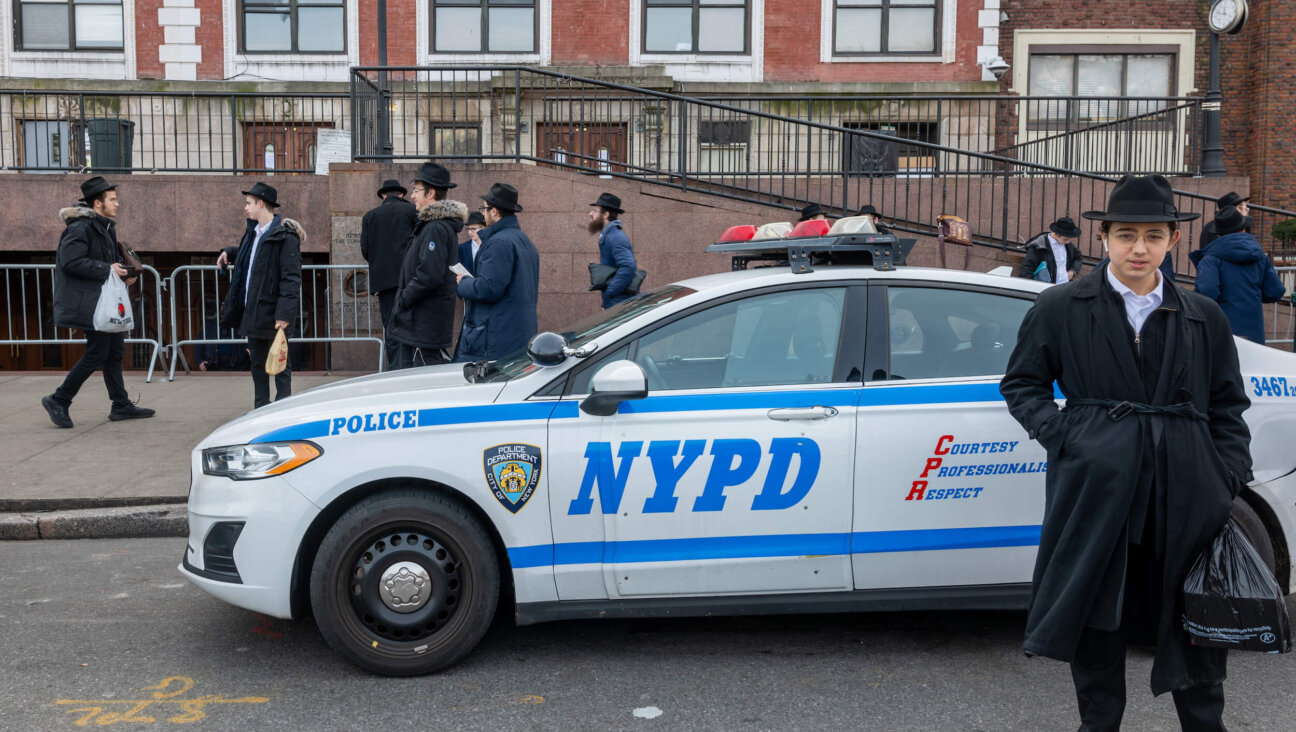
(265, 287)
(87, 254)
(1143, 463)
(1046, 251)
(384, 232)
(423, 316)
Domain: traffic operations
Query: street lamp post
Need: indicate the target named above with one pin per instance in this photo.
(384, 94)
(1212, 159)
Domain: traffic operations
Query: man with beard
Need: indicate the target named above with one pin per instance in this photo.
(614, 246)
(423, 315)
(500, 301)
(1143, 463)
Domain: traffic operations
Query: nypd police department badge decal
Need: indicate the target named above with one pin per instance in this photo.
(512, 472)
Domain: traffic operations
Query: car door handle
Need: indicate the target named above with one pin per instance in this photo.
(815, 412)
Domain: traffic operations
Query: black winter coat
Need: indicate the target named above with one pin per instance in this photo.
(500, 302)
(1076, 334)
(384, 232)
(423, 314)
(86, 251)
(273, 281)
(1039, 250)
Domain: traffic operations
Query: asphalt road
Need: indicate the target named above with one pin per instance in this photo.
(107, 634)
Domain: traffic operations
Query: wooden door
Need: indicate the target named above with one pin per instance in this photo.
(601, 146)
(285, 149)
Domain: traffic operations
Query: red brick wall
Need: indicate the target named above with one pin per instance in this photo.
(211, 37)
(402, 32)
(792, 49)
(591, 32)
(148, 36)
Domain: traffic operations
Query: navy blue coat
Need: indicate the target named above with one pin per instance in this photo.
(1235, 272)
(615, 251)
(466, 257)
(500, 301)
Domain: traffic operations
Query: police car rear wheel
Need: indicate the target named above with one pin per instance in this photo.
(405, 583)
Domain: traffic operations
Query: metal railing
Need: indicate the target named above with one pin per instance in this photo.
(764, 153)
(334, 307)
(205, 132)
(29, 312)
(1282, 315)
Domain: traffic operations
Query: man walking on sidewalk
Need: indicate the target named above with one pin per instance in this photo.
(265, 286)
(384, 232)
(88, 254)
(615, 249)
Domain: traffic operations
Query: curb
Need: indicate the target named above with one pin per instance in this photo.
(127, 522)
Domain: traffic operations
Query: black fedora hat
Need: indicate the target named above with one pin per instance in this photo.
(94, 186)
(503, 196)
(434, 175)
(389, 185)
(1229, 220)
(1230, 199)
(1065, 227)
(868, 209)
(610, 202)
(265, 193)
(475, 218)
(1143, 199)
(810, 212)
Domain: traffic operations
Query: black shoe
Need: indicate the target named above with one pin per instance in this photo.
(57, 412)
(130, 411)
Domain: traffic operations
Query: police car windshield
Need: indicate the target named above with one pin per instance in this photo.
(588, 328)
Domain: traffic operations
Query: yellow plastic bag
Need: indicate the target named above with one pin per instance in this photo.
(277, 359)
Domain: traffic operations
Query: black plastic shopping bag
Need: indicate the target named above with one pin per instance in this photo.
(1231, 599)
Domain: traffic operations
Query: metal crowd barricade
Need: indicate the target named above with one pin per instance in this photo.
(335, 307)
(29, 310)
(1288, 303)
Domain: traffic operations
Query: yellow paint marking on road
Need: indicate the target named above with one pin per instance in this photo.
(165, 692)
(532, 699)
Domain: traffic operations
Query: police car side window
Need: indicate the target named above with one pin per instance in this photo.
(580, 383)
(949, 333)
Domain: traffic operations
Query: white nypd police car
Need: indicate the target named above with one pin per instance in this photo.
(794, 438)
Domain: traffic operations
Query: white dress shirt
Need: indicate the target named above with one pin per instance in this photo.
(260, 231)
(1060, 258)
(1137, 307)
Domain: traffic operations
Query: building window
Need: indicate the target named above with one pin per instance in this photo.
(456, 140)
(864, 27)
(78, 25)
(294, 26)
(484, 26)
(873, 157)
(1101, 75)
(695, 26)
(722, 146)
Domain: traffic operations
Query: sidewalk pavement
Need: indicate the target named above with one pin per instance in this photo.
(104, 479)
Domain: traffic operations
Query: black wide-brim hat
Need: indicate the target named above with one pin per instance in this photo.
(94, 186)
(504, 197)
(434, 175)
(1229, 220)
(610, 202)
(1232, 198)
(475, 218)
(810, 212)
(1146, 199)
(265, 193)
(389, 185)
(867, 209)
(1065, 227)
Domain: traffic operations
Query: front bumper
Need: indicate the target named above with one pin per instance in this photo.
(274, 518)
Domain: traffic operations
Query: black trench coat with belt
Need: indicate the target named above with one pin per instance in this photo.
(1076, 334)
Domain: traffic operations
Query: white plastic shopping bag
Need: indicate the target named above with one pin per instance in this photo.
(113, 313)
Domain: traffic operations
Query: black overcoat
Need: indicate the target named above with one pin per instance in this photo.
(423, 313)
(86, 252)
(1075, 335)
(273, 281)
(384, 232)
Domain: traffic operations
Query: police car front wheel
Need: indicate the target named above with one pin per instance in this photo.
(405, 583)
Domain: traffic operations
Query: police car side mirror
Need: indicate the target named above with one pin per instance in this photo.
(547, 349)
(614, 383)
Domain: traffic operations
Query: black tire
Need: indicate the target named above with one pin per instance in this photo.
(1254, 530)
(441, 547)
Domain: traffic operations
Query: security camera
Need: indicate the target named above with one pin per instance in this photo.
(997, 67)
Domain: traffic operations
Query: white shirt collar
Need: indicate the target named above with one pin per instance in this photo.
(1137, 307)
(1154, 296)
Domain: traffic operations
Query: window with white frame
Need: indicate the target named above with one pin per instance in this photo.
(876, 27)
(69, 25)
(484, 26)
(1101, 76)
(293, 26)
(722, 146)
(696, 26)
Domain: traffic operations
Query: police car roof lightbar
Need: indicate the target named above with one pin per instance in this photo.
(882, 251)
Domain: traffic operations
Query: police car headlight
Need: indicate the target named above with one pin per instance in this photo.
(249, 462)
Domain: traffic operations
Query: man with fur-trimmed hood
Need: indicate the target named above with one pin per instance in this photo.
(265, 288)
(422, 321)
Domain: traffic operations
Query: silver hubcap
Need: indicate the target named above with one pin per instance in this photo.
(405, 587)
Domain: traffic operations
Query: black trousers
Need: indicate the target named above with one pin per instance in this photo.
(104, 351)
(260, 348)
(386, 302)
(407, 356)
(1099, 666)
